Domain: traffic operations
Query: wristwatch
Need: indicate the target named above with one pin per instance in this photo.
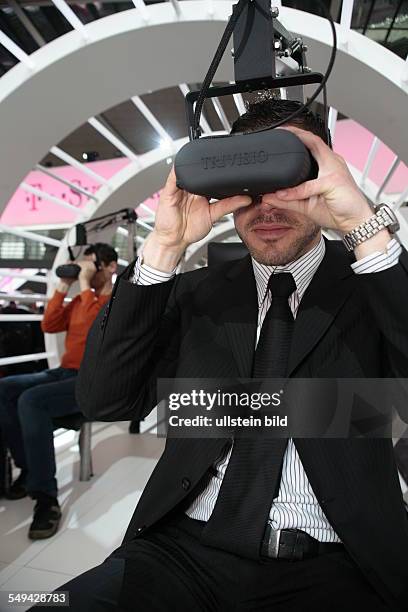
(384, 217)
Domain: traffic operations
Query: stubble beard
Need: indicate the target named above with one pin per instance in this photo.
(274, 255)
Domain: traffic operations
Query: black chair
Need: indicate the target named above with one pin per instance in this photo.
(78, 422)
(220, 252)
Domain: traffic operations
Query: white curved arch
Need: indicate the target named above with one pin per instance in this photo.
(36, 108)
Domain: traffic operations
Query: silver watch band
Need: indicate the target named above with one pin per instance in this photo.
(384, 217)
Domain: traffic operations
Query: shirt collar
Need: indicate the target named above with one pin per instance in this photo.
(302, 270)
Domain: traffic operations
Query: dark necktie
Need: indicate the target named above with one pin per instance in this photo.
(240, 515)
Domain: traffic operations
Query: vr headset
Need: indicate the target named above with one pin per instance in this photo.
(72, 270)
(250, 164)
(267, 159)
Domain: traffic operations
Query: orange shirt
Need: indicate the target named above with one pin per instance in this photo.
(75, 318)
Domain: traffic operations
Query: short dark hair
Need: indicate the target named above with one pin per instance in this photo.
(265, 112)
(104, 252)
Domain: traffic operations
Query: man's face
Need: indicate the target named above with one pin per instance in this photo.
(274, 235)
(102, 275)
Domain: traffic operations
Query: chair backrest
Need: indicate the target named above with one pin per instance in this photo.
(220, 252)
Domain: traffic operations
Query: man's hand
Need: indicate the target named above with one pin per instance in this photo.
(332, 200)
(181, 220)
(88, 271)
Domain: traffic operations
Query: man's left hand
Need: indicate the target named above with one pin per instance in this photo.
(88, 270)
(332, 200)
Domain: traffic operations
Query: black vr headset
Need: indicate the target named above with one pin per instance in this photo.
(267, 159)
(72, 270)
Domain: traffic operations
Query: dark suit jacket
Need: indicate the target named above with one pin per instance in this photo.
(203, 324)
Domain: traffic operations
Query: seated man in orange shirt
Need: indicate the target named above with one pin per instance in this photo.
(28, 402)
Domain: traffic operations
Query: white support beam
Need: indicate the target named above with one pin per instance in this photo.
(112, 138)
(18, 296)
(370, 159)
(332, 121)
(154, 122)
(388, 176)
(15, 50)
(24, 358)
(345, 20)
(210, 9)
(72, 186)
(239, 103)
(71, 17)
(30, 277)
(47, 196)
(30, 235)
(221, 114)
(19, 317)
(123, 262)
(176, 6)
(141, 7)
(205, 126)
(71, 161)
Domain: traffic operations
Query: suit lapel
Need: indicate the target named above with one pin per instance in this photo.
(327, 292)
(240, 314)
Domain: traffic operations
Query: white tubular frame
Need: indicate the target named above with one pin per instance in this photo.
(24, 358)
(29, 235)
(20, 317)
(71, 161)
(15, 50)
(112, 138)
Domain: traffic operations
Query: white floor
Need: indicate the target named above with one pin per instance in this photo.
(95, 513)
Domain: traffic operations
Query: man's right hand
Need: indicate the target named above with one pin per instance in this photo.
(65, 283)
(182, 219)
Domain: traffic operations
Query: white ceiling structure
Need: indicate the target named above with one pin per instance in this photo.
(69, 81)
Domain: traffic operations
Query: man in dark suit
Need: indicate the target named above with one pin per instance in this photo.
(308, 524)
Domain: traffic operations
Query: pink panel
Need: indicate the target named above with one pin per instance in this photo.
(27, 209)
(353, 142)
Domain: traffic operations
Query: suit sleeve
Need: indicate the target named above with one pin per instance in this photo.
(133, 340)
(386, 294)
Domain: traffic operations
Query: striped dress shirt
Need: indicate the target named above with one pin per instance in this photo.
(296, 506)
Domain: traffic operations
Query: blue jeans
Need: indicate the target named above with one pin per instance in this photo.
(28, 402)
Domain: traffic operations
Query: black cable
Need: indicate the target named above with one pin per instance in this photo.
(215, 62)
(220, 51)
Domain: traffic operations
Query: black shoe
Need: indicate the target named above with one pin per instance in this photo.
(46, 519)
(18, 489)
